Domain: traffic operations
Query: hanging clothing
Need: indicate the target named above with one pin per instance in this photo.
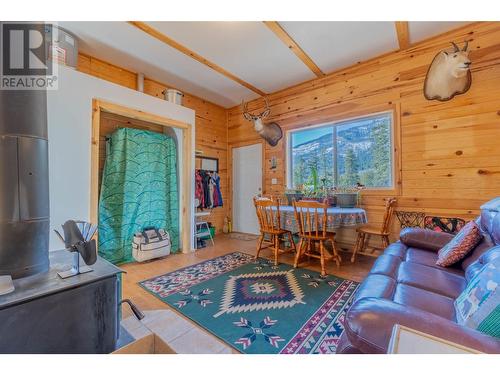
(207, 189)
(198, 192)
(216, 181)
(139, 189)
(211, 192)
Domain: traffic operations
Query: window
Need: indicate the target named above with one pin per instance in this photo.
(342, 154)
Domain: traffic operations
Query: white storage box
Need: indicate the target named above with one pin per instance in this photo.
(151, 243)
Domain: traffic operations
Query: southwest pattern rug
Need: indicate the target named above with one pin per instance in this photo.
(257, 307)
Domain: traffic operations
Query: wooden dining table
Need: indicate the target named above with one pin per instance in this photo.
(337, 217)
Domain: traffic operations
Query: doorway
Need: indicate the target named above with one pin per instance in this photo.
(247, 183)
(105, 117)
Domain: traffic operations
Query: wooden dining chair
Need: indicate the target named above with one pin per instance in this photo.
(365, 232)
(311, 218)
(268, 214)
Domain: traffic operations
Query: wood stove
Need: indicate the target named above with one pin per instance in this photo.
(45, 313)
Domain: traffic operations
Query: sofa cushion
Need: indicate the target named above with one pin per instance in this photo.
(428, 301)
(397, 249)
(387, 265)
(421, 256)
(432, 279)
(429, 259)
(414, 255)
(478, 306)
(495, 229)
(483, 246)
(487, 257)
(492, 205)
(490, 222)
(455, 250)
(473, 270)
(424, 238)
(378, 286)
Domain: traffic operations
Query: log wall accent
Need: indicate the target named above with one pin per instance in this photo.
(450, 151)
(211, 127)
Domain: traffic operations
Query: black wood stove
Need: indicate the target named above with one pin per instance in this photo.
(48, 314)
(45, 313)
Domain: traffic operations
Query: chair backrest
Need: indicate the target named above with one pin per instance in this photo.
(451, 225)
(268, 213)
(311, 218)
(389, 211)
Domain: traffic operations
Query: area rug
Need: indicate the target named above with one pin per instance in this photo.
(243, 236)
(257, 307)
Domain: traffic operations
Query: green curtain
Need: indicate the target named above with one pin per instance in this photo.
(139, 189)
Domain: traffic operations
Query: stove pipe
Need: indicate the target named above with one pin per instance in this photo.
(24, 183)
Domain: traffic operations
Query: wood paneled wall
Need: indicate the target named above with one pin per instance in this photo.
(449, 151)
(211, 122)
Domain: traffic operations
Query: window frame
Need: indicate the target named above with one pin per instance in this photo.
(393, 189)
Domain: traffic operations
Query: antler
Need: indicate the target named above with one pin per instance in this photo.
(266, 111)
(455, 46)
(466, 45)
(249, 116)
(246, 114)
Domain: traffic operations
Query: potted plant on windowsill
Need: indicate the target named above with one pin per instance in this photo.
(294, 195)
(313, 191)
(313, 195)
(347, 197)
(325, 195)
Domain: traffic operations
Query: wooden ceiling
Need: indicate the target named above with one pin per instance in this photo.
(226, 62)
(294, 47)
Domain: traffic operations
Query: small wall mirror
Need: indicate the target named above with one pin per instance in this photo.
(207, 163)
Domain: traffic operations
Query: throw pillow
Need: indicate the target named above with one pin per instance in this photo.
(478, 306)
(455, 250)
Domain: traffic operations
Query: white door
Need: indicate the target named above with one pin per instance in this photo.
(247, 183)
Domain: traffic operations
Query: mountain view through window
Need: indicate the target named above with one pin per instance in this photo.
(343, 154)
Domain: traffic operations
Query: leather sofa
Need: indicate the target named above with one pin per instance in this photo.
(406, 287)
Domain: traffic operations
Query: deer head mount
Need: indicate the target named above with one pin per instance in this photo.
(449, 74)
(271, 132)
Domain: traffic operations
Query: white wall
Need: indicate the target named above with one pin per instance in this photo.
(70, 128)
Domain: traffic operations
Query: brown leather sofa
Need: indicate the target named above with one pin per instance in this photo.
(406, 287)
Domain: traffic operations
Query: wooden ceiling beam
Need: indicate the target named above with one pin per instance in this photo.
(179, 47)
(403, 34)
(294, 47)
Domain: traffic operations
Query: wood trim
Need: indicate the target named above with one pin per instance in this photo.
(396, 156)
(276, 28)
(396, 138)
(403, 34)
(230, 168)
(186, 208)
(94, 161)
(139, 115)
(99, 106)
(179, 47)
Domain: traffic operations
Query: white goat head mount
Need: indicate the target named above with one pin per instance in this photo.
(271, 132)
(448, 75)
